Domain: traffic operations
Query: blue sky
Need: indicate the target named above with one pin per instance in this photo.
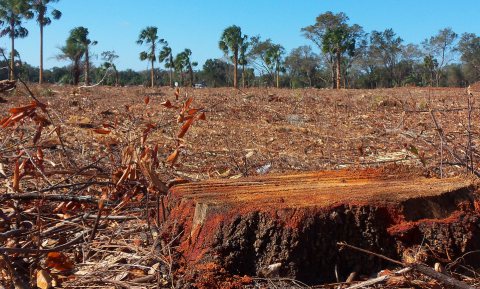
(197, 25)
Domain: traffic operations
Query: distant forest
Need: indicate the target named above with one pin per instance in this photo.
(341, 55)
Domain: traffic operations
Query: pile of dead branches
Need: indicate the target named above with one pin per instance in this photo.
(73, 218)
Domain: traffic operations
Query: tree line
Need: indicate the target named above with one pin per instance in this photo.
(342, 55)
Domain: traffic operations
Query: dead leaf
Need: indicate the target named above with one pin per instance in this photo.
(136, 273)
(202, 116)
(146, 131)
(187, 104)
(185, 128)
(102, 131)
(168, 104)
(172, 158)
(146, 100)
(16, 110)
(59, 261)
(44, 280)
(125, 174)
(193, 111)
(39, 154)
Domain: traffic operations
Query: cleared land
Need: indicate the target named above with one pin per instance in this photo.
(113, 147)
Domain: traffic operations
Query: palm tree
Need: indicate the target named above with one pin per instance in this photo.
(167, 57)
(149, 36)
(189, 64)
(80, 36)
(182, 62)
(231, 41)
(40, 8)
(274, 60)
(179, 65)
(73, 51)
(242, 58)
(12, 13)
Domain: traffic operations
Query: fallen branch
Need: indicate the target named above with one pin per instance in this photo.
(12, 233)
(17, 281)
(6, 85)
(343, 244)
(67, 245)
(40, 196)
(380, 279)
(445, 279)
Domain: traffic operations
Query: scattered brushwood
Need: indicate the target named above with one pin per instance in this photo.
(6, 85)
(437, 274)
(84, 172)
(72, 215)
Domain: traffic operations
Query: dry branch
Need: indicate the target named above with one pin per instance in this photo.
(6, 85)
(445, 279)
(380, 279)
(449, 149)
(40, 196)
(68, 245)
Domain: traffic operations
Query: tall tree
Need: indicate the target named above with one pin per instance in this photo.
(179, 65)
(332, 34)
(74, 51)
(167, 57)
(12, 12)
(215, 72)
(302, 64)
(430, 64)
(80, 36)
(149, 37)
(40, 8)
(230, 42)
(183, 63)
(410, 70)
(264, 56)
(386, 48)
(441, 47)
(274, 59)
(469, 47)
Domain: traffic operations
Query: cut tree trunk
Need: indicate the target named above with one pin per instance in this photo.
(246, 225)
